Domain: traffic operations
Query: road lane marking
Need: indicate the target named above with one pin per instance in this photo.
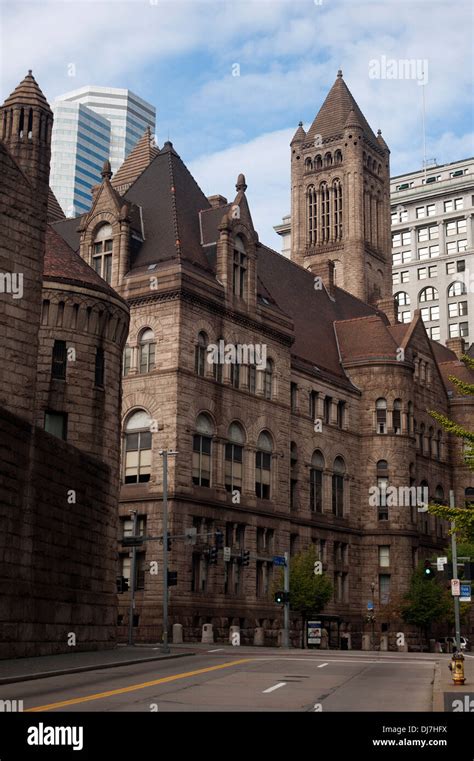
(322, 665)
(355, 661)
(219, 650)
(134, 687)
(275, 687)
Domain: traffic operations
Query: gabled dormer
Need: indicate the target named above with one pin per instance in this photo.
(236, 266)
(105, 232)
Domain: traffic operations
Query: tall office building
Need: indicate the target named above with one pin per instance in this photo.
(432, 248)
(92, 124)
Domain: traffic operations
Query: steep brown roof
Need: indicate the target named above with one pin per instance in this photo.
(333, 114)
(171, 200)
(459, 370)
(365, 337)
(136, 162)
(55, 213)
(312, 311)
(68, 229)
(28, 93)
(62, 264)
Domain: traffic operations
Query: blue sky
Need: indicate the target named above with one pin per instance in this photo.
(183, 57)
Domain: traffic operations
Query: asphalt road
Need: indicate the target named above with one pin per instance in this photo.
(239, 680)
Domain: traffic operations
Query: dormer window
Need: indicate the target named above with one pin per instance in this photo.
(239, 271)
(102, 253)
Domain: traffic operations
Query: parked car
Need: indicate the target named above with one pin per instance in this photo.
(448, 644)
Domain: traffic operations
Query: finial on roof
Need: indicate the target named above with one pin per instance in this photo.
(241, 185)
(300, 124)
(106, 170)
(339, 73)
(30, 72)
(379, 131)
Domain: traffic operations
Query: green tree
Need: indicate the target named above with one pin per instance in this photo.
(462, 517)
(426, 602)
(308, 593)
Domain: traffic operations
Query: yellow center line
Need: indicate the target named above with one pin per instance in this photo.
(133, 687)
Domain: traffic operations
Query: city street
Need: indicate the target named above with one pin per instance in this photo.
(242, 679)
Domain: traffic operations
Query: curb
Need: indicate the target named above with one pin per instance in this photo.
(95, 667)
(437, 697)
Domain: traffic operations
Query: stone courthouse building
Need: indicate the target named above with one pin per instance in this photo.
(62, 334)
(281, 450)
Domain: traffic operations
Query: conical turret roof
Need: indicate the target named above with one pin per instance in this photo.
(333, 114)
(28, 93)
(136, 162)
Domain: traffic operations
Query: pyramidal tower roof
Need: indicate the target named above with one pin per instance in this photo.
(28, 93)
(333, 114)
(136, 162)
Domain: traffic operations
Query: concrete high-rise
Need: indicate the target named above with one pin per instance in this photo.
(93, 124)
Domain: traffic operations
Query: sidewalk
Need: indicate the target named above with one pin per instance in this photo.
(25, 669)
(443, 681)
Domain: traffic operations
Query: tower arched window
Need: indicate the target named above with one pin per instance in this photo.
(328, 159)
(263, 465)
(382, 485)
(201, 354)
(325, 212)
(381, 415)
(338, 157)
(337, 201)
(137, 448)
(308, 165)
(312, 207)
(239, 270)
(439, 495)
(202, 450)
(146, 351)
(316, 482)
(102, 252)
(234, 457)
(397, 416)
(339, 468)
(318, 162)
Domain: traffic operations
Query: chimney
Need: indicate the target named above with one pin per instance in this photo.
(325, 271)
(457, 345)
(217, 201)
(388, 306)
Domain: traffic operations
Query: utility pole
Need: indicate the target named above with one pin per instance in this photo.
(454, 549)
(133, 574)
(164, 453)
(286, 607)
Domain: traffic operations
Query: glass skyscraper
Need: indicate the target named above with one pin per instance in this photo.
(90, 125)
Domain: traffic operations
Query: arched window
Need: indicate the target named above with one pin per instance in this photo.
(127, 360)
(439, 495)
(252, 378)
(339, 468)
(469, 497)
(402, 299)
(263, 465)
(425, 492)
(200, 354)
(316, 482)
(397, 416)
(382, 485)
(312, 207)
(337, 201)
(146, 350)
(235, 371)
(325, 212)
(137, 448)
(293, 455)
(328, 159)
(234, 457)
(239, 271)
(338, 157)
(381, 415)
(102, 252)
(457, 289)
(428, 294)
(268, 380)
(318, 162)
(202, 445)
(308, 165)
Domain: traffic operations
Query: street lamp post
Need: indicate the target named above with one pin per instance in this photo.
(165, 453)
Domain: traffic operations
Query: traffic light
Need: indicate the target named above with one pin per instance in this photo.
(213, 556)
(219, 540)
(428, 571)
(246, 557)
